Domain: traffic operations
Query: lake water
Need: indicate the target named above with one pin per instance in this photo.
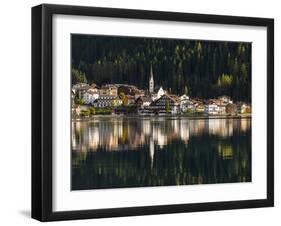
(115, 152)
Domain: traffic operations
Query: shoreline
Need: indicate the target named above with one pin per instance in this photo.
(248, 116)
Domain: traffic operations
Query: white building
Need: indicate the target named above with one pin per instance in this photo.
(90, 96)
(79, 86)
(80, 89)
(155, 95)
(212, 109)
(107, 101)
(158, 94)
(226, 99)
(184, 98)
(184, 103)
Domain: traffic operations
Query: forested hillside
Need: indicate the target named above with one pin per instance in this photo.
(198, 68)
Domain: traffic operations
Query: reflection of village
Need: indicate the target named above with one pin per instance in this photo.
(126, 151)
(118, 134)
(123, 99)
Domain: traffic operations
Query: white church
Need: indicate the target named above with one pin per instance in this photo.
(154, 94)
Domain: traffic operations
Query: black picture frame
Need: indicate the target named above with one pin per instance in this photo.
(42, 111)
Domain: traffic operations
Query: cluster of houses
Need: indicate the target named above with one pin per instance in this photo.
(154, 101)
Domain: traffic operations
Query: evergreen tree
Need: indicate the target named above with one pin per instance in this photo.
(206, 68)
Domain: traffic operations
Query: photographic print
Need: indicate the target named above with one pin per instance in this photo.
(159, 112)
(138, 112)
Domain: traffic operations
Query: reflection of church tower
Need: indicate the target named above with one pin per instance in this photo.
(151, 81)
(151, 152)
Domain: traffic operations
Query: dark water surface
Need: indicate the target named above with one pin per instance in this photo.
(115, 152)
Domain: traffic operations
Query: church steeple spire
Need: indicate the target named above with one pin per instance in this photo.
(151, 81)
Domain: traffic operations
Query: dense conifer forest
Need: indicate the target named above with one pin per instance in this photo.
(202, 69)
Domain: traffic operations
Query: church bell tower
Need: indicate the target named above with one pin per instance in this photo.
(151, 81)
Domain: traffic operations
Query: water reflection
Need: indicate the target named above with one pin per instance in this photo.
(109, 152)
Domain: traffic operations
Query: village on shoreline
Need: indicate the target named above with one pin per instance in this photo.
(124, 99)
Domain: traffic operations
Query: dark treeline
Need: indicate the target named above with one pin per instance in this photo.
(198, 68)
